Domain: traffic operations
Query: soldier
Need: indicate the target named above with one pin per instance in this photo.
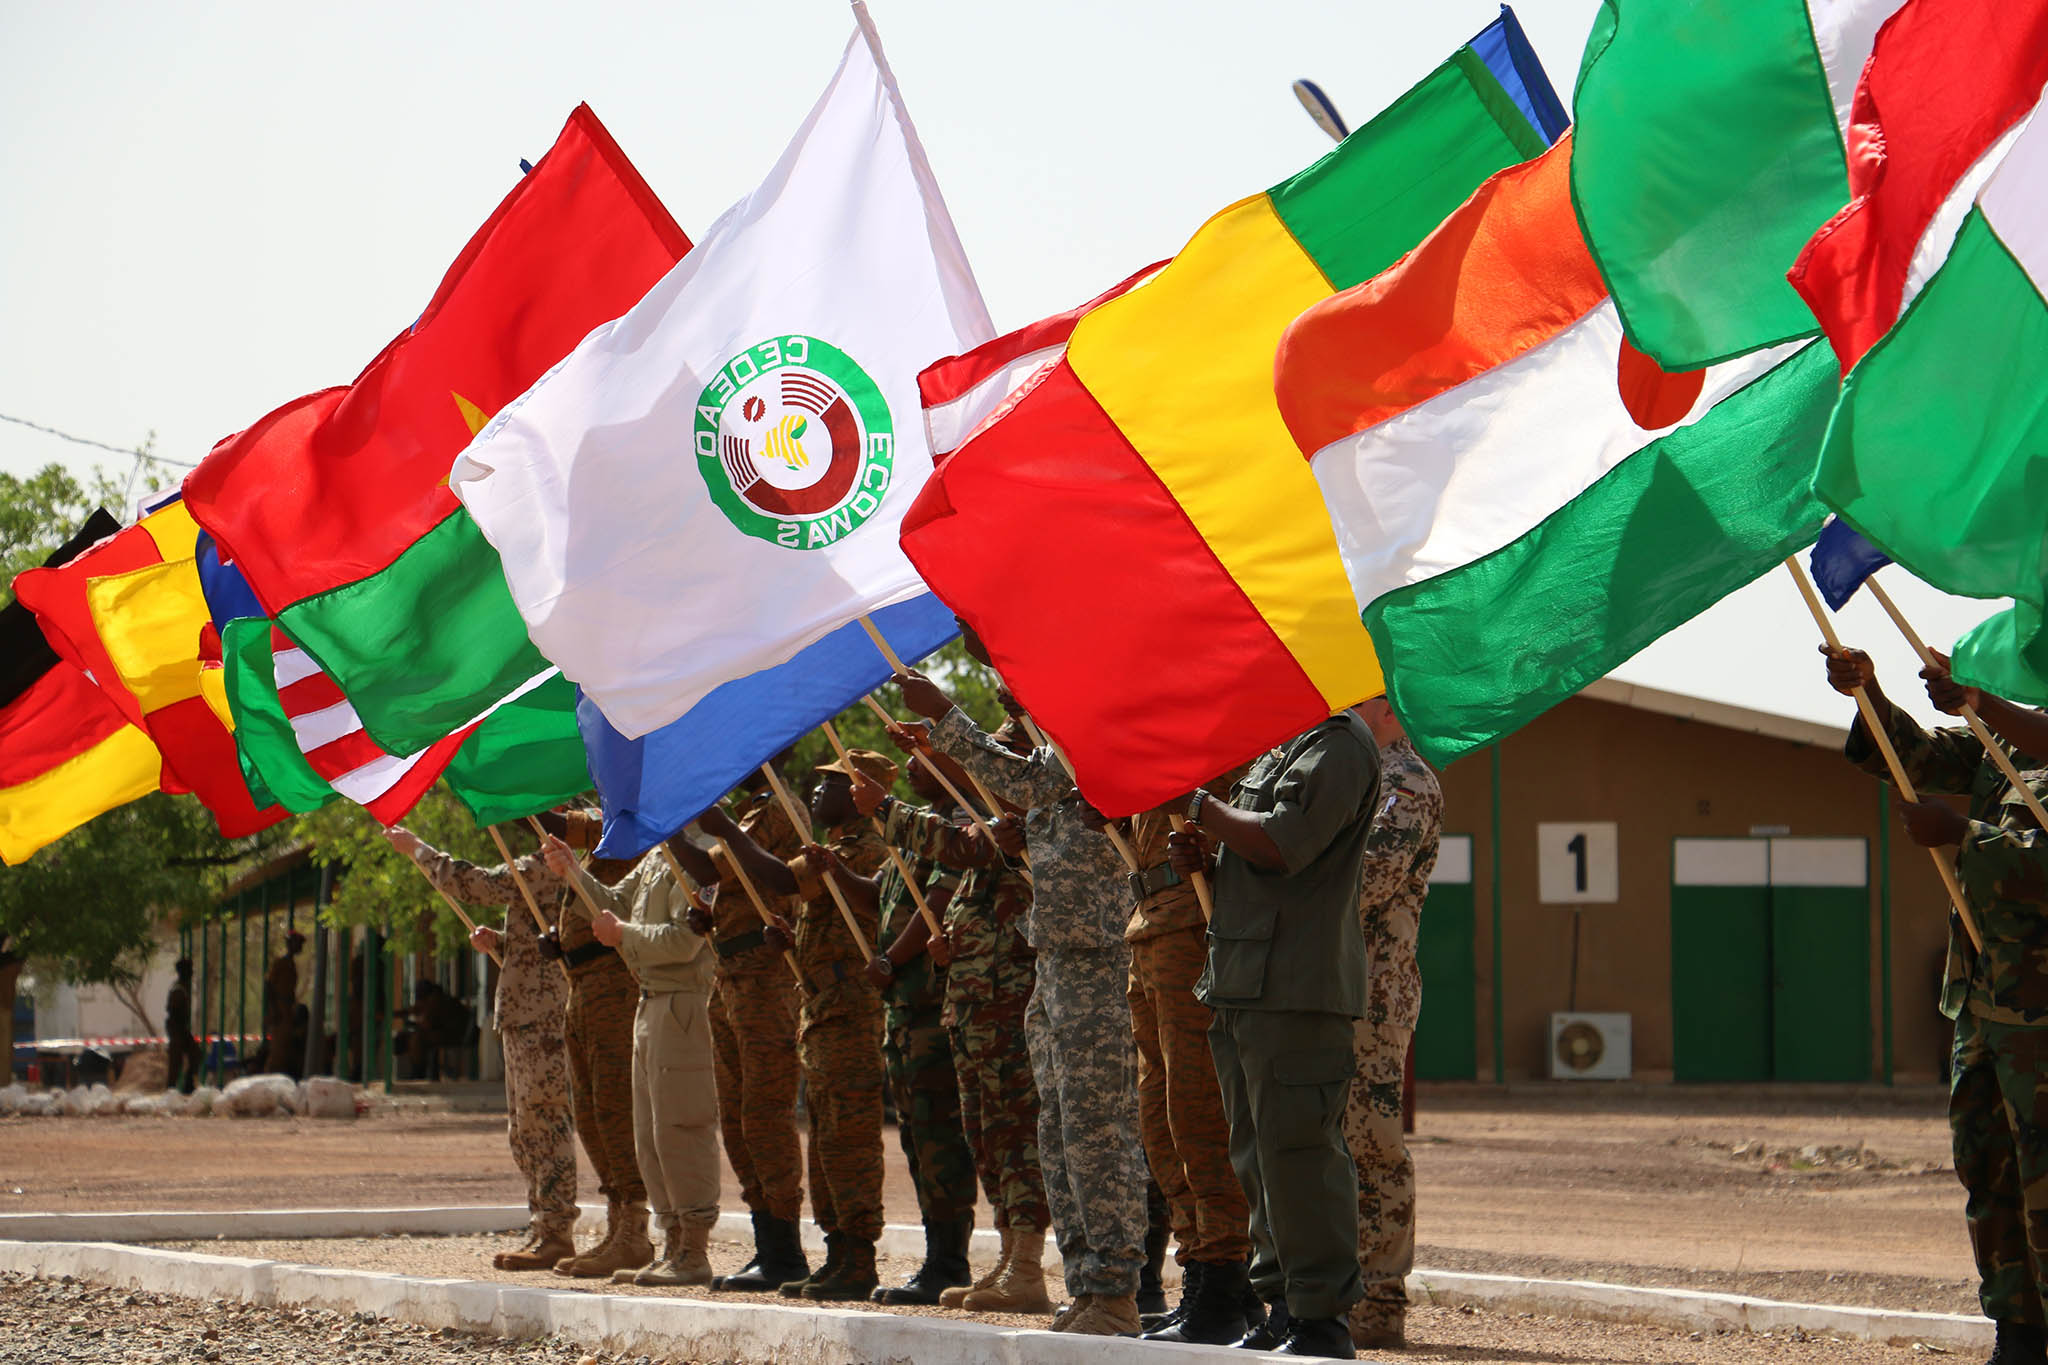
(1078, 1023)
(1187, 1137)
(1286, 977)
(528, 1012)
(675, 1099)
(182, 1052)
(1998, 996)
(1400, 853)
(280, 998)
(753, 1039)
(839, 1032)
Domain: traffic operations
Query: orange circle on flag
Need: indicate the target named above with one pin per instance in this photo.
(1653, 398)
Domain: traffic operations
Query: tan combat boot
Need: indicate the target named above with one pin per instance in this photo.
(1070, 1312)
(1107, 1315)
(685, 1259)
(543, 1249)
(1019, 1287)
(950, 1298)
(567, 1265)
(1378, 1326)
(625, 1245)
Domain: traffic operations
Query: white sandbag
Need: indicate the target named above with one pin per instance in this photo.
(200, 1102)
(324, 1097)
(102, 1102)
(254, 1097)
(74, 1102)
(12, 1097)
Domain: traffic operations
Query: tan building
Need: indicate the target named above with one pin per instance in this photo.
(1721, 877)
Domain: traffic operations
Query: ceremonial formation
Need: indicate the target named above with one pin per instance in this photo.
(1390, 458)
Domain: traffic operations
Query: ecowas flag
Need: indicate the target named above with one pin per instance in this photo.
(714, 481)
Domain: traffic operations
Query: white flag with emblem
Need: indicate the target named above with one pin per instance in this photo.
(714, 481)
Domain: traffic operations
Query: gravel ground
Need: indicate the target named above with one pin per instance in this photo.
(65, 1321)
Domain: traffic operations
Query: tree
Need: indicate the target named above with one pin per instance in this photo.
(377, 887)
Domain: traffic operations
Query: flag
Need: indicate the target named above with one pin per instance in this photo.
(653, 786)
(1841, 560)
(1935, 451)
(130, 613)
(524, 757)
(785, 351)
(335, 507)
(1130, 529)
(67, 754)
(1710, 146)
(1522, 500)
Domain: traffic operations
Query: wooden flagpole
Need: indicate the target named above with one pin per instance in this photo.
(954, 792)
(525, 891)
(1202, 893)
(575, 882)
(760, 906)
(449, 900)
(931, 921)
(796, 817)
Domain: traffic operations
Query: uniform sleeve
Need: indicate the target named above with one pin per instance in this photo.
(659, 936)
(1319, 793)
(1391, 846)
(603, 896)
(933, 838)
(1943, 762)
(475, 885)
(1037, 779)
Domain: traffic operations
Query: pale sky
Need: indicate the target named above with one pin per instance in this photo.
(207, 209)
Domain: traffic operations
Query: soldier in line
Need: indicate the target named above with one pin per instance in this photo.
(280, 998)
(182, 1051)
(675, 1099)
(1287, 978)
(839, 1033)
(528, 1011)
(1400, 853)
(753, 1038)
(1078, 1023)
(1998, 996)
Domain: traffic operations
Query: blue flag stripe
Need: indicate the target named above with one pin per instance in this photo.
(1841, 560)
(1506, 51)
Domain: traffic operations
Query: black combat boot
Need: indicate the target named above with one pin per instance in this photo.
(1268, 1334)
(1321, 1338)
(778, 1258)
(1151, 1291)
(1190, 1285)
(945, 1265)
(1212, 1309)
(2019, 1343)
(836, 1245)
(853, 1278)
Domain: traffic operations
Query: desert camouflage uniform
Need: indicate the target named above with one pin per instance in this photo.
(604, 997)
(1400, 853)
(919, 1059)
(753, 1028)
(1078, 1023)
(1998, 1081)
(839, 1042)
(528, 1011)
(1180, 1108)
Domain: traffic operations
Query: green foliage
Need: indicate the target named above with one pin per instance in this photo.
(967, 682)
(43, 510)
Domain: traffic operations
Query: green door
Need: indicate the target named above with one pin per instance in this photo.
(1447, 1036)
(1820, 960)
(1721, 959)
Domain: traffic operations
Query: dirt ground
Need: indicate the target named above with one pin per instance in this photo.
(1821, 1196)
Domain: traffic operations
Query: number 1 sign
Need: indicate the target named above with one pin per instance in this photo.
(1577, 864)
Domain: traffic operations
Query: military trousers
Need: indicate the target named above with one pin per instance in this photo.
(1180, 1108)
(539, 1125)
(1078, 1025)
(919, 1060)
(675, 1108)
(599, 1031)
(999, 1112)
(1285, 1076)
(1998, 1124)
(183, 1060)
(839, 1042)
(1386, 1174)
(753, 1041)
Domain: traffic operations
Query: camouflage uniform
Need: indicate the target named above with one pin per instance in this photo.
(1187, 1137)
(1078, 1022)
(1400, 853)
(987, 986)
(603, 998)
(753, 1028)
(528, 1012)
(1998, 1118)
(839, 1043)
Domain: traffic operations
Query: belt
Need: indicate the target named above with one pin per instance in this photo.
(832, 973)
(740, 943)
(588, 953)
(1151, 880)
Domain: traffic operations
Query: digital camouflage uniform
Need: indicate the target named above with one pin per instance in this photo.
(839, 1043)
(988, 985)
(753, 1027)
(919, 1058)
(1998, 1082)
(603, 998)
(1400, 853)
(528, 1011)
(1187, 1137)
(1078, 1023)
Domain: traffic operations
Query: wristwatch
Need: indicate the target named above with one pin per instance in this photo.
(1195, 802)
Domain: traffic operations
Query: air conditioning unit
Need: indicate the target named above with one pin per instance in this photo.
(1589, 1047)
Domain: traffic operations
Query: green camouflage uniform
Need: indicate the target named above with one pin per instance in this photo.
(1998, 1095)
(839, 1043)
(1400, 853)
(919, 1059)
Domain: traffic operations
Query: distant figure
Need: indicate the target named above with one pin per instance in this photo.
(181, 1066)
(280, 994)
(439, 1021)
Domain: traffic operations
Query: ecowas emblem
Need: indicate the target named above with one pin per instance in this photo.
(794, 442)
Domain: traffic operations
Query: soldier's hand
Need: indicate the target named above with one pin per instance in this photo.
(404, 840)
(1088, 815)
(777, 934)
(606, 929)
(1188, 851)
(484, 939)
(699, 920)
(1932, 824)
(1849, 669)
(1945, 692)
(881, 971)
(558, 857)
(868, 794)
(551, 943)
(922, 695)
(1009, 832)
(1011, 706)
(940, 946)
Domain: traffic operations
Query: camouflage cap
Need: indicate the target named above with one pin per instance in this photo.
(880, 768)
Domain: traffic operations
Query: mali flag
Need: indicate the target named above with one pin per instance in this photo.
(1126, 502)
(336, 507)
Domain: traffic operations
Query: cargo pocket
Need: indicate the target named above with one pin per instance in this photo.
(1310, 1087)
(1237, 957)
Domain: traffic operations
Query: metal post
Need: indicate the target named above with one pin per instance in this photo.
(369, 1010)
(242, 982)
(316, 998)
(1884, 921)
(221, 1037)
(1500, 1065)
(345, 964)
(205, 999)
(263, 966)
(390, 986)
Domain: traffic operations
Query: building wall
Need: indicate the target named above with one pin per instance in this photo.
(1659, 778)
